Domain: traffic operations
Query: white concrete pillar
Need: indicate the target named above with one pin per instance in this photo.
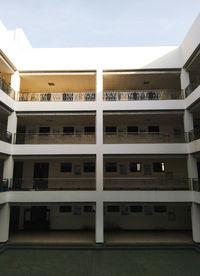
(8, 169)
(12, 124)
(185, 80)
(15, 84)
(99, 85)
(192, 168)
(99, 222)
(195, 213)
(188, 121)
(4, 222)
(99, 172)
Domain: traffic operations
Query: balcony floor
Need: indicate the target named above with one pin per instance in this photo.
(52, 237)
(148, 236)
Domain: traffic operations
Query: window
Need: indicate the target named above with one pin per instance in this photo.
(160, 209)
(44, 130)
(68, 130)
(135, 167)
(154, 129)
(89, 130)
(132, 129)
(136, 209)
(111, 130)
(65, 209)
(66, 167)
(113, 209)
(89, 167)
(89, 209)
(111, 167)
(158, 167)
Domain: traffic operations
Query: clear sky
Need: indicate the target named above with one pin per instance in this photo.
(98, 23)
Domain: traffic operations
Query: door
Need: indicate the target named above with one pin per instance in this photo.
(36, 218)
(18, 175)
(14, 218)
(41, 173)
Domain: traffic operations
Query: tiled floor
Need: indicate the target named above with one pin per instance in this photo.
(53, 237)
(148, 237)
(110, 237)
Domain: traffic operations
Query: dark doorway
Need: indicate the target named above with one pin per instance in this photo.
(20, 137)
(17, 175)
(198, 168)
(36, 218)
(41, 173)
(14, 218)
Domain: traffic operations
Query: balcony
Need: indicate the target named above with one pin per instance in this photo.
(4, 185)
(143, 137)
(191, 87)
(60, 138)
(194, 135)
(147, 184)
(57, 97)
(5, 136)
(142, 95)
(7, 89)
(53, 184)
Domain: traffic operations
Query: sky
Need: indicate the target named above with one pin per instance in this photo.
(100, 23)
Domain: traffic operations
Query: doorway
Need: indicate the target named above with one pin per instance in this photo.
(36, 218)
(41, 173)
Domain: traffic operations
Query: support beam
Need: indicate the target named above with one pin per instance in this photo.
(185, 80)
(4, 222)
(99, 85)
(8, 169)
(99, 222)
(188, 121)
(15, 84)
(12, 124)
(99, 172)
(195, 213)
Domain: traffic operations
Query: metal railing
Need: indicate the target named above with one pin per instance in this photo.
(61, 138)
(141, 95)
(52, 184)
(193, 135)
(196, 184)
(7, 89)
(57, 96)
(147, 183)
(191, 87)
(6, 136)
(122, 137)
(4, 185)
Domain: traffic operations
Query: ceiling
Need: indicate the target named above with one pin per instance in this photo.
(4, 66)
(62, 82)
(136, 81)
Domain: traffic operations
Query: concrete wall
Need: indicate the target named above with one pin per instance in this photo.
(175, 217)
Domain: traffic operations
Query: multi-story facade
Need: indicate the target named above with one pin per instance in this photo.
(99, 139)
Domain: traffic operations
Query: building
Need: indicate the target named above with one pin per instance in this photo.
(99, 139)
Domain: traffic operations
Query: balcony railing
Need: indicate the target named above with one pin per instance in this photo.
(61, 138)
(57, 96)
(191, 87)
(6, 136)
(194, 135)
(4, 183)
(141, 95)
(7, 89)
(143, 137)
(52, 184)
(146, 183)
(196, 184)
